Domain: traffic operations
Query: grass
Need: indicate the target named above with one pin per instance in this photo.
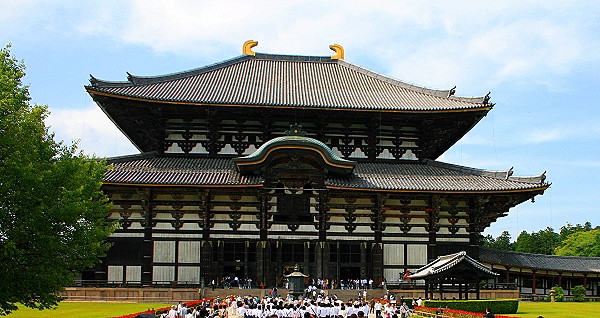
(560, 309)
(106, 309)
(86, 310)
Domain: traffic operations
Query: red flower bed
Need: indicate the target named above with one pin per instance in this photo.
(190, 304)
(453, 313)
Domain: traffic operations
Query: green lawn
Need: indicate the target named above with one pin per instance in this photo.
(86, 310)
(105, 309)
(558, 310)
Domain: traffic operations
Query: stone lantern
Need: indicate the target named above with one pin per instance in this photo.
(296, 282)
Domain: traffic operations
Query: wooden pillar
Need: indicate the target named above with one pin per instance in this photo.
(460, 291)
(319, 259)
(477, 287)
(377, 263)
(533, 283)
(322, 199)
(432, 226)
(264, 216)
(205, 214)
(560, 279)
(148, 248)
(261, 263)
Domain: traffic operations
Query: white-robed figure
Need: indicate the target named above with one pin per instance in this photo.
(173, 312)
(323, 310)
(365, 309)
(389, 310)
(241, 311)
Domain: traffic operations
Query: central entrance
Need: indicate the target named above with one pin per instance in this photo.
(350, 272)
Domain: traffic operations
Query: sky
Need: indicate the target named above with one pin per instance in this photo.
(539, 59)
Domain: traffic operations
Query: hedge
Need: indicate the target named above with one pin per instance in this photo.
(500, 306)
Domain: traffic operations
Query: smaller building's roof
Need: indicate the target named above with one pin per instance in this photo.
(571, 264)
(447, 262)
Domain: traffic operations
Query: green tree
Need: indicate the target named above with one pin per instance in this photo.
(502, 242)
(578, 293)
(559, 294)
(580, 244)
(524, 243)
(52, 210)
(542, 242)
(569, 229)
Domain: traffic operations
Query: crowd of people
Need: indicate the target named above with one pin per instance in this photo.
(287, 307)
(228, 282)
(320, 283)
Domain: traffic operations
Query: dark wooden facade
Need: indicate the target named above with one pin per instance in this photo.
(261, 162)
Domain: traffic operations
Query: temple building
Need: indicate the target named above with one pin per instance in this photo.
(252, 165)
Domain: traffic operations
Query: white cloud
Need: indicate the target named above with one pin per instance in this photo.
(93, 130)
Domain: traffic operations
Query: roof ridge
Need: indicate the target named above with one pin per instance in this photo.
(125, 158)
(134, 80)
(496, 174)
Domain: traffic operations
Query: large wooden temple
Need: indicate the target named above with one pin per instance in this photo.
(254, 164)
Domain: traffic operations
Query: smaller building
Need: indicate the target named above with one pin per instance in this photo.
(456, 273)
(536, 274)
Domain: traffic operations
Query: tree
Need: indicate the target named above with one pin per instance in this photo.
(578, 293)
(542, 242)
(52, 210)
(580, 244)
(559, 294)
(569, 229)
(502, 242)
(524, 243)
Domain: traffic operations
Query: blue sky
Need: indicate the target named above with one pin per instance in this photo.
(539, 59)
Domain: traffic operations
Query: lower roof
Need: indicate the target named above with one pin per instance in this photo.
(539, 261)
(432, 176)
(448, 262)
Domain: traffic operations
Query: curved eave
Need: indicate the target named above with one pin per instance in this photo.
(180, 185)
(257, 160)
(535, 191)
(475, 108)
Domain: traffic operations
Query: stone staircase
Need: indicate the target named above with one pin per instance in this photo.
(343, 294)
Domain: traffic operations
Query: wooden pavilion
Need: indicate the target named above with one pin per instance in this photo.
(456, 273)
(254, 164)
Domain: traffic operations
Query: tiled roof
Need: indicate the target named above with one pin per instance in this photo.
(431, 176)
(148, 169)
(413, 176)
(538, 261)
(287, 81)
(446, 262)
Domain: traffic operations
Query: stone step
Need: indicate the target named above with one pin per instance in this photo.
(343, 294)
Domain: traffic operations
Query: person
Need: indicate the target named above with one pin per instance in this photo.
(173, 312)
(404, 310)
(419, 302)
(378, 309)
(488, 313)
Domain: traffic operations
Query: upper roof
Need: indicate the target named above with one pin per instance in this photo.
(538, 261)
(287, 81)
(447, 262)
(431, 176)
